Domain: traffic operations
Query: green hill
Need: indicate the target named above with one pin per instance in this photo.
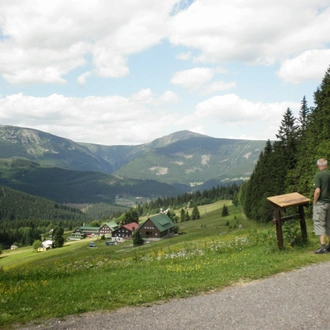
(68, 186)
(16, 205)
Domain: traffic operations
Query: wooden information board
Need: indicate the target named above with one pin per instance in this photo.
(280, 203)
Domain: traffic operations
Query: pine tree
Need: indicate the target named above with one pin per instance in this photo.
(195, 213)
(187, 216)
(137, 238)
(182, 215)
(260, 184)
(58, 237)
(303, 114)
(225, 211)
(288, 135)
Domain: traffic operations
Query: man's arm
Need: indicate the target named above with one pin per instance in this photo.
(317, 193)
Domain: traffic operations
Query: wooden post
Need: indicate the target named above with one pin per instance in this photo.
(280, 203)
(302, 223)
(279, 232)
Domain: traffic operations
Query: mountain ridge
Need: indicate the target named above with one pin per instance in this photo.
(182, 157)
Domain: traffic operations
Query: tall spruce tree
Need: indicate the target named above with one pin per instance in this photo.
(288, 135)
(58, 237)
(195, 213)
(303, 115)
(259, 186)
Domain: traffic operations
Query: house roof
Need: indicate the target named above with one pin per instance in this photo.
(89, 227)
(111, 224)
(47, 243)
(131, 225)
(162, 222)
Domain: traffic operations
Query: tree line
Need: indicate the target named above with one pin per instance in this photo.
(288, 164)
(182, 202)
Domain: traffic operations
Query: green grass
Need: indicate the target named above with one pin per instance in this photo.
(209, 255)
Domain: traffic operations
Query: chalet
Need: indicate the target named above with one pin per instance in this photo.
(126, 231)
(108, 228)
(157, 227)
(45, 245)
(86, 230)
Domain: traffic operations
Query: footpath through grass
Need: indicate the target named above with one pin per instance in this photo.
(211, 253)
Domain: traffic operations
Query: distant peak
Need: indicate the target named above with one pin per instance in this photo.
(174, 137)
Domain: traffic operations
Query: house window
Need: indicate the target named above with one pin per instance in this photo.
(148, 233)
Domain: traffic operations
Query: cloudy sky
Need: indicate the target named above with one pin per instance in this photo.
(130, 71)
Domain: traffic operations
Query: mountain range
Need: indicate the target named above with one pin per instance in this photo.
(35, 161)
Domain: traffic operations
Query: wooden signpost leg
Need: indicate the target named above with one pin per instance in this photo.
(303, 226)
(279, 229)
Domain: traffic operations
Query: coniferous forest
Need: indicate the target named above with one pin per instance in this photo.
(289, 163)
(24, 218)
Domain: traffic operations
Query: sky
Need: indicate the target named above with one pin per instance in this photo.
(130, 71)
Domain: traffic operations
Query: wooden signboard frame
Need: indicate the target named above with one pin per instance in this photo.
(281, 203)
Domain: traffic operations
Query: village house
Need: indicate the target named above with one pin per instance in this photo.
(107, 228)
(45, 245)
(157, 227)
(86, 230)
(126, 231)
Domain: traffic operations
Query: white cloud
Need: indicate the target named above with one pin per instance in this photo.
(252, 31)
(44, 41)
(105, 120)
(169, 97)
(192, 78)
(199, 78)
(83, 77)
(217, 86)
(32, 65)
(144, 96)
(184, 56)
(230, 108)
(308, 66)
(230, 116)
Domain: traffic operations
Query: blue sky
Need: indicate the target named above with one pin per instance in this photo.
(128, 72)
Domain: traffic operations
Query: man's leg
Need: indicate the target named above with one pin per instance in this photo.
(320, 226)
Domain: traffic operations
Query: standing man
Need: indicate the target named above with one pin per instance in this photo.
(321, 205)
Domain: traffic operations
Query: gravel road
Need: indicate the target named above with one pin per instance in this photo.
(294, 300)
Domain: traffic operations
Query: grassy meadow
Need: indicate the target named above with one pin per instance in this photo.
(209, 254)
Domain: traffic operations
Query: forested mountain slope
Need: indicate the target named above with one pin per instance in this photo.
(25, 218)
(67, 186)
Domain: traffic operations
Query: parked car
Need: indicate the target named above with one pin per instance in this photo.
(107, 243)
(91, 244)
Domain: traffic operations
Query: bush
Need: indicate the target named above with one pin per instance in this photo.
(137, 238)
(36, 244)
